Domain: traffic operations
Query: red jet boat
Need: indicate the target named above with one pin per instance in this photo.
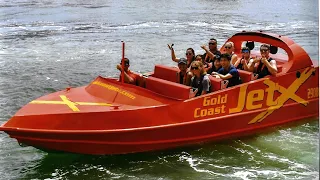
(110, 117)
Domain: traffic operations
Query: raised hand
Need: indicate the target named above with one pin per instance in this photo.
(256, 59)
(263, 60)
(119, 67)
(170, 47)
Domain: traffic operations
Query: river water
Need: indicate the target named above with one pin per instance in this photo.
(46, 46)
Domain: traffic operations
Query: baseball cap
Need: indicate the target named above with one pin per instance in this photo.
(182, 60)
(245, 50)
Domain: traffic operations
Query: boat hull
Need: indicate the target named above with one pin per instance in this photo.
(159, 137)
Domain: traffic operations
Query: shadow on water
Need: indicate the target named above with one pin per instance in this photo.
(149, 165)
(77, 166)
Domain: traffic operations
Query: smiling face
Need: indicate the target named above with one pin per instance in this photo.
(264, 50)
(225, 60)
(229, 47)
(245, 53)
(212, 45)
(196, 68)
(198, 58)
(183, 67)
(225, 63)
(189, 54)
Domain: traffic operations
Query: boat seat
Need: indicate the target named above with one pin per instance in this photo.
(279, 67)
(245, 76)
(217, 84)
(165, 72)
(168, 88)
(170, 74)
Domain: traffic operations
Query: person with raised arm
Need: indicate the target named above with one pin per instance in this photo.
(190, 55)
(129, 77)
(213, 49)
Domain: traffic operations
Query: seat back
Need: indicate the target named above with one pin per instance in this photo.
(166, 73)
(168, 88)
(216, 84)
(279, 67)
(245, 76)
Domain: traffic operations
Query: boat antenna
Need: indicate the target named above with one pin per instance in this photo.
(122, 62)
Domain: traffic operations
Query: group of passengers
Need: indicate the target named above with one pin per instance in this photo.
(195, 70)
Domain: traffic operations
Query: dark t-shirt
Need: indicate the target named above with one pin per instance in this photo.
(181, 77)
(240, 65)
(208, 58)
(235, 80)
(213, 69)
(202, 84)
(262, 69)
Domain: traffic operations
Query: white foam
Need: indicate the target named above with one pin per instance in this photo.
(244, 175)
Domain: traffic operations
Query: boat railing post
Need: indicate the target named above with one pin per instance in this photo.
(122, 62)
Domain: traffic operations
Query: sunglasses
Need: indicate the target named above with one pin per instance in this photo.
(194, 68)
(125, 63)
(188, 54)
(212, 43)
(245, 51)
(264, 50)
(227, 47)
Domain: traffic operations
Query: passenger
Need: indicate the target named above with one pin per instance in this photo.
(228, 71)
(216, 65)
(200, 81)
(245, 63)
(189, 55)
(182, 74)
(207, 65)
(213, 48)
(199, 58)
(129, 77)
(265, 65)
(229, 49)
